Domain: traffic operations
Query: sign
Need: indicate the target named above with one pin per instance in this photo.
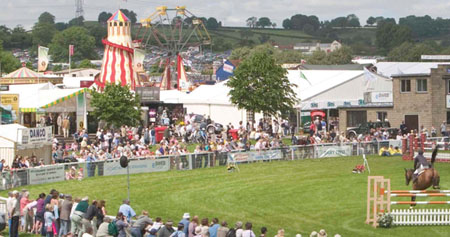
(435, 57)
(333, 151)
(381, 97)
(35, 135)
(4, 87)
(314, 105)
(47, 174)
(148, 94)
(346, 103)
(136, 166)
(254, 156)
(448, 101)
(330, 104)
(10, 104)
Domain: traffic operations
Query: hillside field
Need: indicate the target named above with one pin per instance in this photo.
(299, 196)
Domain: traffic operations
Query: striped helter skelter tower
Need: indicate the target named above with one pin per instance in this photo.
(117, 66)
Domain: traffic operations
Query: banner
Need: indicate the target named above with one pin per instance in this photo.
(71, 50)
(35, 135)
(254, 156)
(46, 174)
(165, 81)
(136, 166)
(138, 60)
(42, 59)
(10, 104)
(333, 151)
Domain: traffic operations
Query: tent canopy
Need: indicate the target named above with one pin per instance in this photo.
(23, 72)
(389, 69)
(9, 131)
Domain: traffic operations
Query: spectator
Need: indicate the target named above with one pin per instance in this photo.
(166, 230)
(239, 229)
(23, 202)
(205, 227)
(214, 227)
(28, 216)
(14, 213)
(89, 232)
(198, 231)
(223, 229)
(64, 217)
(90, 213)
(263, 232)
(77, 216)
(126, 210)
(384, 151)
(179, 232)
(185, 222)
(103, 228)
(322, 233)
(49, 218)
(121, 224)
(139, 226)
(155, 227)
(248, 232)
(192, 225)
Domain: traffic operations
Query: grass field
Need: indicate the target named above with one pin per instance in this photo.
(299, 196)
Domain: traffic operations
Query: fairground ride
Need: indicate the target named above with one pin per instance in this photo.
(170, 31)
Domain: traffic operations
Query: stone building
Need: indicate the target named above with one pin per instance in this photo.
(419, 99)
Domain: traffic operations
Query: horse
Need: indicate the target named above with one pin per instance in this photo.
(430, 177)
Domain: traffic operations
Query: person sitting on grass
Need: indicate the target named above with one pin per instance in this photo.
(384, 151)
(396, 151)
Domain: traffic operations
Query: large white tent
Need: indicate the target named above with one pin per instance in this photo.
(388, 69)
(320, 87)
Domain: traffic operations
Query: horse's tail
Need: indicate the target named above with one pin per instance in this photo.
(433, 155)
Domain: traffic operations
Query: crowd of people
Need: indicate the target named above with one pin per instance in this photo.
(61, 215)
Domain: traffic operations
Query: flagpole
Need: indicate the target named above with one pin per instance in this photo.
(39, 56)
(70, 60)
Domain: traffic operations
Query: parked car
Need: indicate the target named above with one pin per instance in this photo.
(366, 127)
(213, 128)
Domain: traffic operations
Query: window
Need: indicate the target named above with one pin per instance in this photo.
(355, 118)
(448, 86)
(250, 116)
(91, 75)
(448, 117)
(405, 86)
(421, 85)
(381, 116)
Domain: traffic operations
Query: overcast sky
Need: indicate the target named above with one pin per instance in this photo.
(230, 12)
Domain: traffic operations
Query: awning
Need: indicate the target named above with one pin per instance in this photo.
(64, 98)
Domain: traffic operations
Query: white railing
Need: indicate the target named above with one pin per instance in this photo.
(421, 216)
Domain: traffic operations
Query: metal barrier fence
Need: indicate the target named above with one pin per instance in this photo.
(82, 170)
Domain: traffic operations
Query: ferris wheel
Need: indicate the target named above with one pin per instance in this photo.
(172, 30)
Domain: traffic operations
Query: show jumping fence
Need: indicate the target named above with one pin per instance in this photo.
(379, 202)
(414, 142)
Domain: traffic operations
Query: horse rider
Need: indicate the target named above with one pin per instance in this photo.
(420, 164)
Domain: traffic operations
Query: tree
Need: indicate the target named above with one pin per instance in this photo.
(251, 21)
(78, 21)
(389, 35)
(264, 22)
(260, 85)
(342, 55)
(246, 34)
(130, 14)
(20, 38)
(287, 24)
(117, 106)
(78, 36)
(370, 21)
(263, 38)
(8, 62)
(288, 56)
(98, 32)
(274, 25)
(211, 23)
(86, 63)
(240, 53)
(408, 52)
(43, 34)
(352, 21)
(46, 17)
(60, 26)
(103, 17)
(318, 57)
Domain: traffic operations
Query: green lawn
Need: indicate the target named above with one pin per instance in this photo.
(299, 196)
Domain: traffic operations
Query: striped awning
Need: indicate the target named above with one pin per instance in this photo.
(27, 110)
(65, 98)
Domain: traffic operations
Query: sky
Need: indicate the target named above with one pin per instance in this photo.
(230, 12)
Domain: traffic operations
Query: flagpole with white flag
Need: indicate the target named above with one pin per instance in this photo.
(369, 76)
(42, 59)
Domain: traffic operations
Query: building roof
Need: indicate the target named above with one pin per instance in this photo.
(333, 67)
(66, 71)
(9, 131)
(368, 105)
(23, 72)
(119, 16)
(388, 69)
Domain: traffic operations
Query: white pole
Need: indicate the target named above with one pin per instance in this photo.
(70, 61)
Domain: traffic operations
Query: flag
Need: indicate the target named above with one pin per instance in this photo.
(138, 60)
(369, 76)
(228, 67)
(71, 50)
(42, 59)
(183, 84)
(302, 76)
